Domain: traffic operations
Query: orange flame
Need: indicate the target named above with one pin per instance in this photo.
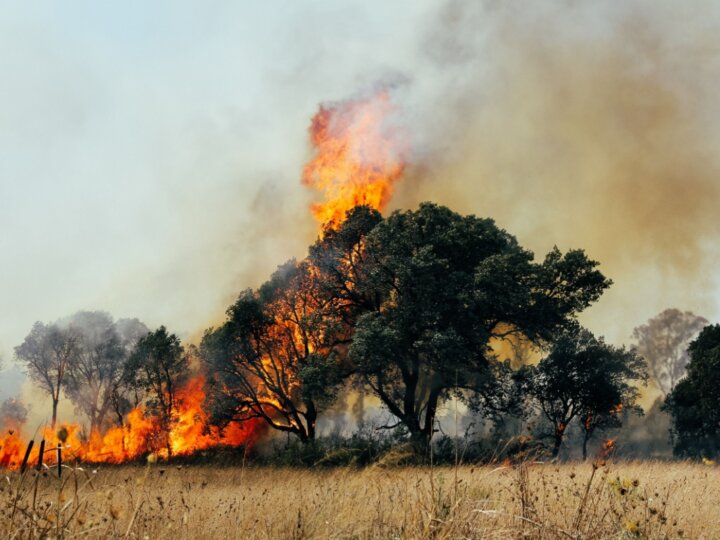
(190, 432)
(608, 446)
(359, 156)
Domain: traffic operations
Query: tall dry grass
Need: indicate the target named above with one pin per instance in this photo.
(532, 500)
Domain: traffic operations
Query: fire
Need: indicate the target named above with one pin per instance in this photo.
(359, 155)
(608, 446)
(140, 435)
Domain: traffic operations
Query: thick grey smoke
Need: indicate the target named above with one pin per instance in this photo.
(143, 180)
(580, 124)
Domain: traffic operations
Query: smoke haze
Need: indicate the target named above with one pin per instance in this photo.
(588, 126)
(152, 156)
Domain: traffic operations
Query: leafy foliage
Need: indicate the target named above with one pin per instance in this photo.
(159, 365)
(446, 286)
(275, 358)
(694, 403)
(583, 378)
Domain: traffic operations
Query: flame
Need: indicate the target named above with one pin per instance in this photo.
(359, 155)
(608, 446)
(140, 435)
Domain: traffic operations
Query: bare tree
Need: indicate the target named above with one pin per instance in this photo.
(663, 342)
(98, 367)
(48, 352)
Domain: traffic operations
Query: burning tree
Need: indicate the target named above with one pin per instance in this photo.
(159, 365)
(276, 358)
(663, 341)
(583, 377)
(281, 356)
(418, 298)
(48, 352)
(447, 286)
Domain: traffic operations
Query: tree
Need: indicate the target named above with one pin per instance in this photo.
(275, 357)
(159, 366)
(48, 352)
(340, 263)
(663, 342)
(443, 287)
(95, 378)
(694, 403)
(98, 365)
(281, 356)
(583, 377)
(124, 396)
(12, 414)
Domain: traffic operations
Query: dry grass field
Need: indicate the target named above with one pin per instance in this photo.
(612, 500)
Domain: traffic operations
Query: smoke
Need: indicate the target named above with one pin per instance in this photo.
(587, 125)
(172, 182)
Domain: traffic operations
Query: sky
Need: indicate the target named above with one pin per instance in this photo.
(150, 153)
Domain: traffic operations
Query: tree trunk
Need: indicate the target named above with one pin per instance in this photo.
(310, 419)
(559, 432)
(421, 443)
(586, 438)
(430, 412)
(54, 412)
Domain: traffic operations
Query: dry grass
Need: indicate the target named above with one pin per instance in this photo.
(623, 500)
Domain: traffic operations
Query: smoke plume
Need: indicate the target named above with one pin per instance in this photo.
(587, 125)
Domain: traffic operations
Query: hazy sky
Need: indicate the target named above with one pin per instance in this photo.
(138, 138)
(150, 152)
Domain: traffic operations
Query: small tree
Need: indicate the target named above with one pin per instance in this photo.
(583, 377)
(12, 414)
(663, 342)
(48, 352)
(694, 403)
(159, 366)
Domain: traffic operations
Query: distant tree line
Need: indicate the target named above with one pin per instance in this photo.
(105, 367)
(416, 309)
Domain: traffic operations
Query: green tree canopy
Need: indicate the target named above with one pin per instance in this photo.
(583, 377)
(694, 403)
(159, 365)
(444, 286)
